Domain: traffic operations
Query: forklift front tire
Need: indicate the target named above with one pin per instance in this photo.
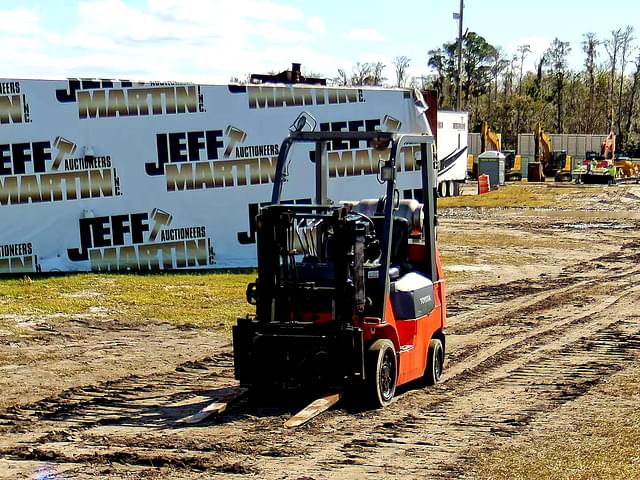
(435, 362)
(382, 373)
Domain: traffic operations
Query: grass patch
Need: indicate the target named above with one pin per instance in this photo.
(521, 196)
(453, 277)
(600, 438)
(198, 299)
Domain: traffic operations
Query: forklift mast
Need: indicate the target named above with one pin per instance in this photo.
(395, 143)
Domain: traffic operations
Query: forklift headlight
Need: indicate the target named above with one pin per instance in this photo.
(387, 172)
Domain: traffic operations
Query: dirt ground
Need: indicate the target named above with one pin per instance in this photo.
(542, 308)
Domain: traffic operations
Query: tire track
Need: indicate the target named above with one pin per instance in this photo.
(489, 395)
(496, 400)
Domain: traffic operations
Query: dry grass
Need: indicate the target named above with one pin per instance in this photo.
(198, 299)
(521, 196)
(598, 437)
(9, 328)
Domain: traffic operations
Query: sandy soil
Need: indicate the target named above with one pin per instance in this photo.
(103, 399)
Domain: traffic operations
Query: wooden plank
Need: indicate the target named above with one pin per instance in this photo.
(314, 409)
(221, 399)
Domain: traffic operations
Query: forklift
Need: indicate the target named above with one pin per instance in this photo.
(349, 296)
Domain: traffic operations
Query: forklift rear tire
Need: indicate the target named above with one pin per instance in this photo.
(435, 362)
(382, 373)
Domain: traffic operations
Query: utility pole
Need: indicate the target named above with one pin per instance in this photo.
(459, 16)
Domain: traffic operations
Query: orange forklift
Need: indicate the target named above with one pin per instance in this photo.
(350, 296)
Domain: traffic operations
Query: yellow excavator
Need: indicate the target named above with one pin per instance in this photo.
(549, 162)
(490, 139)
(512, 166)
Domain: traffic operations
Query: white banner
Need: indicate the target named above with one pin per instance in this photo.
(116, 176)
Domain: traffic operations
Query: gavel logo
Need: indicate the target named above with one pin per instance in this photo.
(235, 136)
(160, 219)
(65, 147)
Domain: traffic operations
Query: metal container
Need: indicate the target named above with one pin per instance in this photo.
(492, 163)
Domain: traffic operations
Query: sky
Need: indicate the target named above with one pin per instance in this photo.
(210, 41)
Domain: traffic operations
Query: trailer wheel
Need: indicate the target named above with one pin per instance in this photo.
(442, 189)
(451, 191)
(435, 362)
(381, 374)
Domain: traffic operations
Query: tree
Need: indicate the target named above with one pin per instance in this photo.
(360, 74)
(632, 94)
(342, 79)
(612, 46)
(625, 47)
(369, 74)
(500, 65)
(401, 64)
(522, 50)
(557, 54)
(437, 61)
(589, 47)
(376, 78)
(498, 88)
(478, 57)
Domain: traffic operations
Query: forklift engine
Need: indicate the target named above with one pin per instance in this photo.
(347, 295)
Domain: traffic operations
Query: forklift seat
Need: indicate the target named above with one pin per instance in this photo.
(399, 239)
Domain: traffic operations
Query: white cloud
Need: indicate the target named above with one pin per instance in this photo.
(365, 34)
(316, 25)
(196, 40)
(19, 21)
(278, 34)
(207, 10)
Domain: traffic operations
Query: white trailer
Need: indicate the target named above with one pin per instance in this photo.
(451, 147)
(100, 175)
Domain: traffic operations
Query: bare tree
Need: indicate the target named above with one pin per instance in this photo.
(342, 79)
(508, 76)
(401, 64)
(612, 46)
(361, 73)
(376, 77)
(589, 47)
(625, 48)
(500, 65)
(557, 55)
(522, 50)
(632, 94)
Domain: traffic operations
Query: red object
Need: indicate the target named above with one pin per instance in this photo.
(431, 99)
(608, 147)
(483, 184)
